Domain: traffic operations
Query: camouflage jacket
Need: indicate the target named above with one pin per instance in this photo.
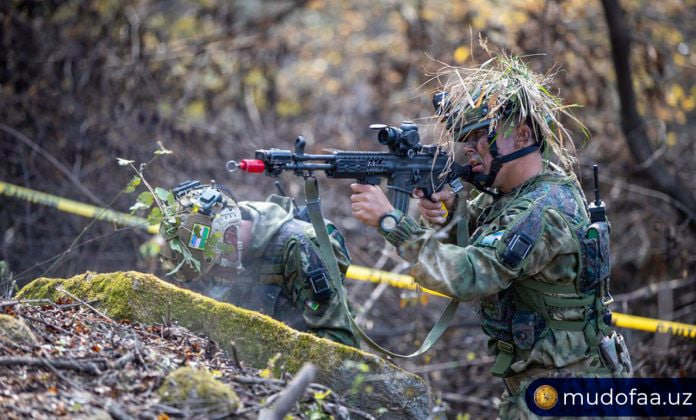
(275, 281)
(551, 209)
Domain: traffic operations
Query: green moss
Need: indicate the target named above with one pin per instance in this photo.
(255, 337)
(198, 386)
(41, 288)
(114, 291)
(16, 331)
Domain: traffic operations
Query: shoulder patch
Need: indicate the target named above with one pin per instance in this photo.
(517, 250)
(492, 239)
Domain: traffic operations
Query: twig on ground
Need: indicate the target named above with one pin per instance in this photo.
(116, 411)
(46, 323)
(235, 356)
(63, 377)
(290, 395)
(247, 380)
(350, 410)
(60, 289)
(447, 396)
(124, 360)
(28, 301)
(88, 367)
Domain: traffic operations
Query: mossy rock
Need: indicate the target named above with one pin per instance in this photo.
(190, 386)
(395, 393)
(16, 331)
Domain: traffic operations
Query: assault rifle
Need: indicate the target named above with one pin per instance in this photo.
(406, 166)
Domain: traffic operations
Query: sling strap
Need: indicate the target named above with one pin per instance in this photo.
(329, 259)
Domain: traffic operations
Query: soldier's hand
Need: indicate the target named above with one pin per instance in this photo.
(437, 208)
(369, 203)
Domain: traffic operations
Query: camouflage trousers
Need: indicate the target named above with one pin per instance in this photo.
(513, 404)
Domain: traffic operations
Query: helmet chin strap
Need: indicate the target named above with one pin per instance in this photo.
(483, 182)
(237, 263)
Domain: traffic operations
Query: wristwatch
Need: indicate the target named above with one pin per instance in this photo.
(389, 220)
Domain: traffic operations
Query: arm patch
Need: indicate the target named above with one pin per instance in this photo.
(492, 239)
(517, 250)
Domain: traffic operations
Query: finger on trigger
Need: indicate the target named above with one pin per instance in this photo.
(359, 187)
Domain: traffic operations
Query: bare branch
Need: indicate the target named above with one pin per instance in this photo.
(290, 395)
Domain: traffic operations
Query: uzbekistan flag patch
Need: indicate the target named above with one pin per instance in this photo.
(199, 236)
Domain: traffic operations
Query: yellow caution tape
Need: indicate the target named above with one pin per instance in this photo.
(401, 281)
(620, 320)
(653, 325)
(354, 272)
(76, 207)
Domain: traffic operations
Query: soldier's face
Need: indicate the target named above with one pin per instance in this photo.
(478, 152)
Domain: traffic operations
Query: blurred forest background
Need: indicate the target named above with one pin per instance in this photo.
(85, 81)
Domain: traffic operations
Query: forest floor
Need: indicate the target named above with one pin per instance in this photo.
(83, 364)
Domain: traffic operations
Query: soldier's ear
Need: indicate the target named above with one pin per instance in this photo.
(524, 136)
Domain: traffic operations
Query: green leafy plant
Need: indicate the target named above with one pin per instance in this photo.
(161, 207)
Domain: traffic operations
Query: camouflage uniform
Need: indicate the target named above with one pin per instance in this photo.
(275, 282)
(536, 287)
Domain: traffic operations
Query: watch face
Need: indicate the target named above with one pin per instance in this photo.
(387, 223)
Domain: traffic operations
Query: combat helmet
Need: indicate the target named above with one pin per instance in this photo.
(201, 230)
(503, 91)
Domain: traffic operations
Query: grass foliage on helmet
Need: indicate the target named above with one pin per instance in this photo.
(503, 92)
(201, 229)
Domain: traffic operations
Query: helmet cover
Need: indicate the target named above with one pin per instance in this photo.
(201, 230)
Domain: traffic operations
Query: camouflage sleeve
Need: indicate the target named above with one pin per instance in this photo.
(481, 268)
(325, 318)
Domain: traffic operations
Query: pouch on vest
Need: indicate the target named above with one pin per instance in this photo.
(496, 312)
(614, 353)
(319, 282)
(526, 328)
(607, 350)
(596, 256)
(317, 277)
(624, 356)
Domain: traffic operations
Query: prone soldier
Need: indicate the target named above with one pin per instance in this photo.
(255, 255)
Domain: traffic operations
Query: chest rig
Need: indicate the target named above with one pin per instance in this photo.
(524, 313)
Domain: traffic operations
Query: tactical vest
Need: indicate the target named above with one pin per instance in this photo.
(261, 286)
(521, 313)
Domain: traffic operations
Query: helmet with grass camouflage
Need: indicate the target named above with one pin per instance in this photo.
(503, 92)
(201, 229)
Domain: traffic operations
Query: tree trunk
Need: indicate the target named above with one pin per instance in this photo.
(632, 123)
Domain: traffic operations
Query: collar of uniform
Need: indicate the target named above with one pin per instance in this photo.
(549, 171)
